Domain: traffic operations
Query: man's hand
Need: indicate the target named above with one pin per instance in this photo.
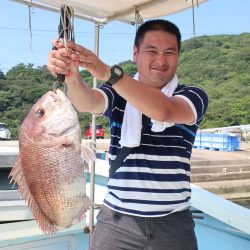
(88, 60)
(67, 61)
(60, 62)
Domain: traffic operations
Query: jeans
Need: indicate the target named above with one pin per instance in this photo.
(116, 231)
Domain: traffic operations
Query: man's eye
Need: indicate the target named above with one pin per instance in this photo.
(151, 51)
(170, 52)
(40, 112)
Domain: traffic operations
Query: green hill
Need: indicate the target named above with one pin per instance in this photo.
(219, 64)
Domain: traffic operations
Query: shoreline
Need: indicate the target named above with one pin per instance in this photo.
(197, 155)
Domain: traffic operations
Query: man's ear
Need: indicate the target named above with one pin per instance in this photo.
(135, 54)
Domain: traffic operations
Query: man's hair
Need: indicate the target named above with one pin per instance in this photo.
(157, 25)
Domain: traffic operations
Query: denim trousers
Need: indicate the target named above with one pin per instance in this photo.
(117, 231)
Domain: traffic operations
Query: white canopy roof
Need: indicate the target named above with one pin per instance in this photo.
(103, 11)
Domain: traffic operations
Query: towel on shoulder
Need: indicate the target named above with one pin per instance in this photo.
(132, 120)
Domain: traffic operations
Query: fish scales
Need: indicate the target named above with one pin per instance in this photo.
(49, 169)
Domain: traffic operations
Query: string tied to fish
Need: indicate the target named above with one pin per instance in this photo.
(65, 34)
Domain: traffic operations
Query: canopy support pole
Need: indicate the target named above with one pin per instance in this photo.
(92, 173)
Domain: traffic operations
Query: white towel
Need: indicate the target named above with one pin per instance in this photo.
(132, 120)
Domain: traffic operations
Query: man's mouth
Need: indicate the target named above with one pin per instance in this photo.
(159, 69)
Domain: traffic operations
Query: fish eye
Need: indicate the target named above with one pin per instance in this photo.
(40, 112)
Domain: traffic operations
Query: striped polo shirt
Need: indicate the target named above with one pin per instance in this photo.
(154, 179)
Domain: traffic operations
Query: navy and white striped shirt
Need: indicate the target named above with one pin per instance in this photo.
(154, 180)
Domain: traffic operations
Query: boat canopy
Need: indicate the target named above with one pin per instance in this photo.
(104, 11)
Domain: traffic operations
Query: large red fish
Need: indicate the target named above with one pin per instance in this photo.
(49, 168)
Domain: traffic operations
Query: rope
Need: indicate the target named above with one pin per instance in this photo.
(66, 26)
(193, 16)
(197, 5)
(66, 33)
(138, 18)
(30, 28)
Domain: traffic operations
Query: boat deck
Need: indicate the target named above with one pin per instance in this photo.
(219, 222)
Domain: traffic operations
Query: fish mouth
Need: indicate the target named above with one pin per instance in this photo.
(65, 121)
(61, 95)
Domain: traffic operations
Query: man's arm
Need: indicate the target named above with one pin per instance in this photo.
(152, 102)
(79, 93)
(148, 100)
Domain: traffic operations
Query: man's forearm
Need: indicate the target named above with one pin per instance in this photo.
(83, 98)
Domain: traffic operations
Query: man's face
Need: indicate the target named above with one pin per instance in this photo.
(157, 58)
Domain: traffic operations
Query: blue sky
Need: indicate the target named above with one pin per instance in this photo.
(212, 18)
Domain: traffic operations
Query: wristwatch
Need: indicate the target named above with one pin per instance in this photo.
(116, 75)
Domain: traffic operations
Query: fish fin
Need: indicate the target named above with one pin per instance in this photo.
(87, 154)
(87, 205)
(17, 176)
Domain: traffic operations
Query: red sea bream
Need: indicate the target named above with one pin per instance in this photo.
(49, 169)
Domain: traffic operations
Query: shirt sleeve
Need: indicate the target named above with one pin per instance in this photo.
(109, 96)
(197, 99)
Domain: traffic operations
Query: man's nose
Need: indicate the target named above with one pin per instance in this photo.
(161, 59)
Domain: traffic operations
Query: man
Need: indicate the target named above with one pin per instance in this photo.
(146, 206)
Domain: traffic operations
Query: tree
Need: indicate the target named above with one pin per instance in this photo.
(218, 64)
(2, 76)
